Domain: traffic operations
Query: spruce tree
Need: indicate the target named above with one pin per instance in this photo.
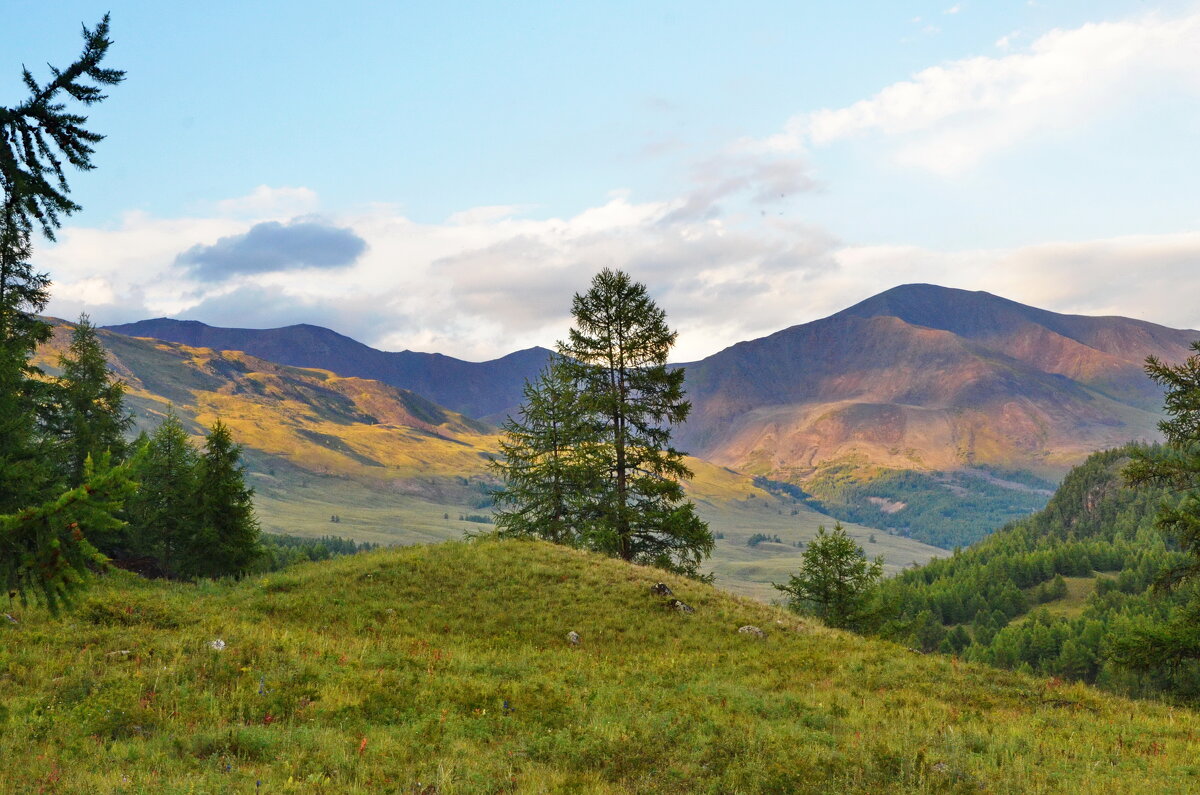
(617, 354)
(90, 416)
(543, 463)
(225, 540)
(162, 512)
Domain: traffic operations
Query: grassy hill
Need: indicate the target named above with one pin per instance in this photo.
(396, 468)
(446, 669)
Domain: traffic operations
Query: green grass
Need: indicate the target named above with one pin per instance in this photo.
(749, 571)
(390, 671)
(1071, 605)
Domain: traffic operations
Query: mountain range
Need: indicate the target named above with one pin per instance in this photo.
(477, 389)
(333, 454)
(929, 411)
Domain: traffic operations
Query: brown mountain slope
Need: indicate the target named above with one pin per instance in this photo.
(933, 378)
(928, 380)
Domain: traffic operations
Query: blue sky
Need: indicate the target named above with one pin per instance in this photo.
(756, 164)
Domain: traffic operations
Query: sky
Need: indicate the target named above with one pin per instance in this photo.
(445, 176)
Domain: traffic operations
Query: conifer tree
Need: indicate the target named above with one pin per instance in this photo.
(836, 583)
(25, 477)
(543, 463)
(617, 354)
(162, 512)
(42, 546)
(225, 539)
(90, 416)
(1151, 645)
(43, 549)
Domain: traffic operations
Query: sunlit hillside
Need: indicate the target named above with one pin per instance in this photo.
(372, 462)
(448, 669)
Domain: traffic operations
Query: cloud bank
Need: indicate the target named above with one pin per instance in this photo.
(485, 283)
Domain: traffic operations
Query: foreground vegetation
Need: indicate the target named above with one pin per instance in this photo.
(1055, 593)
(447, 669)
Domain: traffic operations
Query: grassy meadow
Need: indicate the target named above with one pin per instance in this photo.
(446, 669)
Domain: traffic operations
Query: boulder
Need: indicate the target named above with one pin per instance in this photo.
(680, 607)
(573, 638)
(661, 589)
(752, 630)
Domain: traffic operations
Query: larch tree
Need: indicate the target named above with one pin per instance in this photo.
(616, 354)
(836, 582)
(543, 462)
(42, 544)
(161, 514)
(1149, 645)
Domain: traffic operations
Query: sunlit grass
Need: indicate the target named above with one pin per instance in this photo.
(448, 665)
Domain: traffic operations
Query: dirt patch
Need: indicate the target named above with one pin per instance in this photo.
(886, 505)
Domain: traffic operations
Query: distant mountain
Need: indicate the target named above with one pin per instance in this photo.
(477, 389)
(358, 458)
(958, 386)
(926, 410)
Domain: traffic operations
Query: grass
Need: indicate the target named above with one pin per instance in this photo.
(1073, 604)
(446, 669)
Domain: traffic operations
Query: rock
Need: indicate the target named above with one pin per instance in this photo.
(573, 638)
(216, 645)
(680, 607)
(752, 630)
(661, 589)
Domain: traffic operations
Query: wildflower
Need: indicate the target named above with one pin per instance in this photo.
(216, 645)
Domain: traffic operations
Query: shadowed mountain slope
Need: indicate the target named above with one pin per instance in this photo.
(477, 389)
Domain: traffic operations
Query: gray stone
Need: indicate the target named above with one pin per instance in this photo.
(681, 607)
(573, 638)
(661, 589)
(752, 630)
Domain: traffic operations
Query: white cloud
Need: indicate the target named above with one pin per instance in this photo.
(486, 283)
(947, 118)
